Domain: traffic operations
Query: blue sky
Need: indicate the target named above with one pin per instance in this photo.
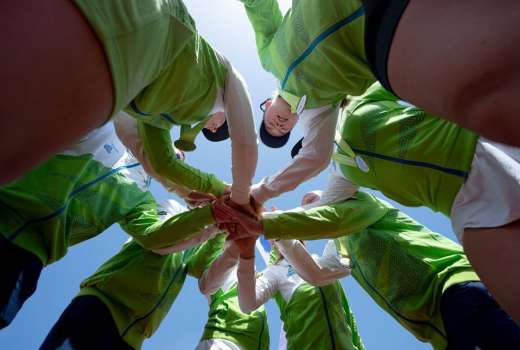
(226, 27)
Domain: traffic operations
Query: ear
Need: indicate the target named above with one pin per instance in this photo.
(268, 104)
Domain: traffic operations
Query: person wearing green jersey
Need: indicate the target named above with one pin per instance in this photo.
(316, 52)
(126, 299)
(420, 278)
(227, 327)
(79, 77)
(144, 57)
(73, 197)
(434, 163)
(313, 317)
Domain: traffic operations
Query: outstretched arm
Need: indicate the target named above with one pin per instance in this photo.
(318, 144)
(162, 158)
(325, 270)
(242, 133)
(214, 277)
(254, 292)
(325, 221)
(127, 131)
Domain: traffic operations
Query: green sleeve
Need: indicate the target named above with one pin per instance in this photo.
(147, 228)
(327, 221)
(265, 17)
(162, 158)
(201, 257)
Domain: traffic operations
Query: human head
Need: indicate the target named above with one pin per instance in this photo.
(216, 128)
(277, 122)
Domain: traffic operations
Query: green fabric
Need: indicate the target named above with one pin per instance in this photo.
(185, 91)
(336, 67)
(65, 201)
(328, 221)
(139, 286)
(377, 123)
(141, 39)
(405, 268)
(314, 319)
(145, 226)
(226, 321)
(160, 154)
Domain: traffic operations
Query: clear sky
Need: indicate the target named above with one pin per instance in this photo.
(226, 27)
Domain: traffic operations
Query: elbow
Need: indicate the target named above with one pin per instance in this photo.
(246, 307)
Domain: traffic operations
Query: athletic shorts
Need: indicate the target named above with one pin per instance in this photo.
(473, 320)
(86, 324)
(381, 20)
(490, 197)
(19, 271)
(140, 38)
(217, 344)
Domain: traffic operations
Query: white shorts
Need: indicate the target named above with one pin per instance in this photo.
(490, 197)
(217, 344)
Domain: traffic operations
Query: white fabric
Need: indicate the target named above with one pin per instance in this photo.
(319, 126)
(218, 106)
(102, 143)
(318, 271)
(222, 273)
(490, 197)
(281, 277)
(217, 344)
(244, 144)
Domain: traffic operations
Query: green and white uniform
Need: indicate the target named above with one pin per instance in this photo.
(139, 286)
(431, 162)
(82, 191)
(314, 317)
(316, 50)
(401, 264)
(165, 74)
(228, 328)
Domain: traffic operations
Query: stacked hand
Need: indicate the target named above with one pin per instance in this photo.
(243, 222)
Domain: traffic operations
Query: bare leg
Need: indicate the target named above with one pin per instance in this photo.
(495, 255)
(56, 84)
(460, 60)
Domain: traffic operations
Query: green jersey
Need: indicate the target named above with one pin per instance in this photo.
(81, 192)
(427, 159)
(315, 318)
(226, 321)
(316, 50)
(185, 92)
(405, 268)
(139, 286)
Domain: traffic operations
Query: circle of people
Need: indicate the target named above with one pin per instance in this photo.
(414, 99)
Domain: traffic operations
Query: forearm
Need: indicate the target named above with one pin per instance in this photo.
(318, 143)
(242, 134)
(202, 236)
(309, 269)
(153, 234)
(248, 298)
(327, 221)
(213, 278)
(162, 158)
